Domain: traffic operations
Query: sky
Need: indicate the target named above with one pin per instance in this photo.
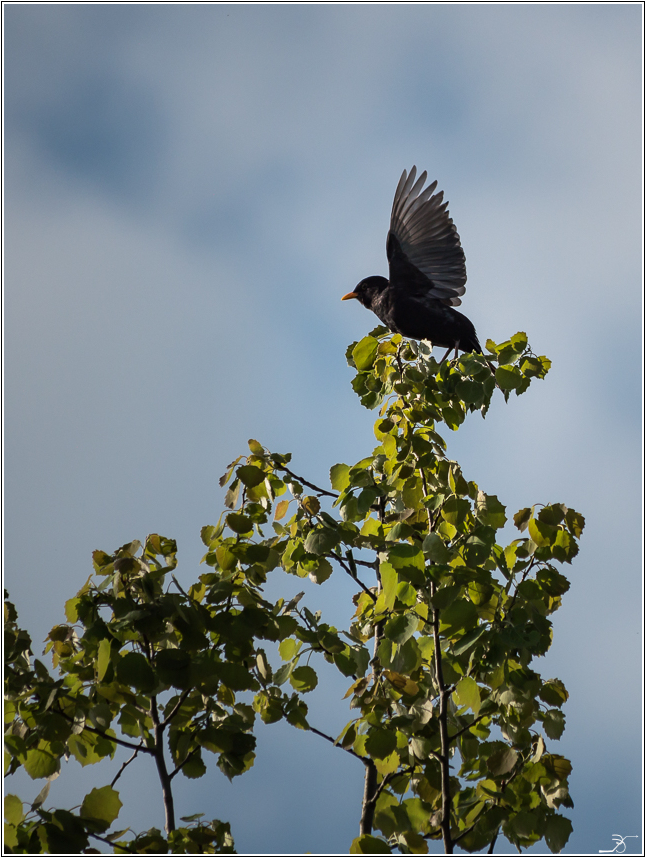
(189, 191)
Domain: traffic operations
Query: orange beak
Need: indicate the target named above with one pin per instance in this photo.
(349, 295)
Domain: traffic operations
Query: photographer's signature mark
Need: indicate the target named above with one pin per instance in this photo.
(620, 843)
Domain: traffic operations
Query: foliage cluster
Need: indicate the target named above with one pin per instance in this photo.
(450, 719)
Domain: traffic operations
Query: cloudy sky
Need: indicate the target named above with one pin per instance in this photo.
(189, 191)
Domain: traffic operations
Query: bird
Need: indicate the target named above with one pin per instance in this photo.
(427, 271)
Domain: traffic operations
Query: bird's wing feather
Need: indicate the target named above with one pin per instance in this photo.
(427, 240)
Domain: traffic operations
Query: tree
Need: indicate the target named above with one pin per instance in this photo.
(451, 721)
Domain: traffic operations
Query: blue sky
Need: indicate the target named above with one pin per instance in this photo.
(190, 189)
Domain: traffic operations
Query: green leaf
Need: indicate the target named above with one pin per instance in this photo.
(389, 582)
(521, 519)
(251, 475)
(553, 692)
(40, 763)
(322, 571)
(542, 534)
(283, 673)
(71, 611)
(288, 648)
(508, 377)
(467, 693)
(311, 504)
(239, 523)
(235, 676)
(469, 640)
(133, 670)
(575, 522)
(194, 768)
(364, 353)
(414, 840)
(174, 667)
(102, 806)
(559, 766)
(502, 761)
(435, 549)
(321, 541)
(340, 477)
(490, 511)
(403, 555)
(455, 510)
(381, 743)
(225, 557)
(255, 447)
(13, 811)
(557, 831)
(366, 844)
(554, 723)
(303, 678)
(103, 658)
(458, 617)
(401, 627)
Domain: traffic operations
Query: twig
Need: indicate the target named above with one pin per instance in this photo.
(468, 727)
(114, 739)
(162, 771)
(317, 489)
(112, 843)
(177, 769)
(372, 564)
(471, 827)
(181, 589)
(175, 708)
(334, 742)
(126, 764)
(525, 574)
(493, 843)
(354, 577)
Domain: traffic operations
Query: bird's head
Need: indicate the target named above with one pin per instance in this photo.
(367, 290)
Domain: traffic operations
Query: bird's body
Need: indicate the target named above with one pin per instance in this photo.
(427, 271)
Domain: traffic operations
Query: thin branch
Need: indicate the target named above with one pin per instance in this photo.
(525, 574)
(493, 843)
(181, 589)
(388, 779)
(364, 760)
(162, 771)
(177, 769)
(354, 577)
(317, 489)
(471, 827)
(369, 798)
(126, 764)
(372, 564)
(468, 727)
(114, 739)
(175, 708)
(112, 843)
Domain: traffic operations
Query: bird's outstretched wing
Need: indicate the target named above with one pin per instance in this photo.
(422, 236)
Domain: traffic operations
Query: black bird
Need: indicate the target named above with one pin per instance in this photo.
(427, 271)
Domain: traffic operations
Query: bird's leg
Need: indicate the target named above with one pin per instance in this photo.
(456, 352)
(448, 352)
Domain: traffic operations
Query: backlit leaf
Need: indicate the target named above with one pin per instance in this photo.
(102, 806)
(366, 844)
(364, 353)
